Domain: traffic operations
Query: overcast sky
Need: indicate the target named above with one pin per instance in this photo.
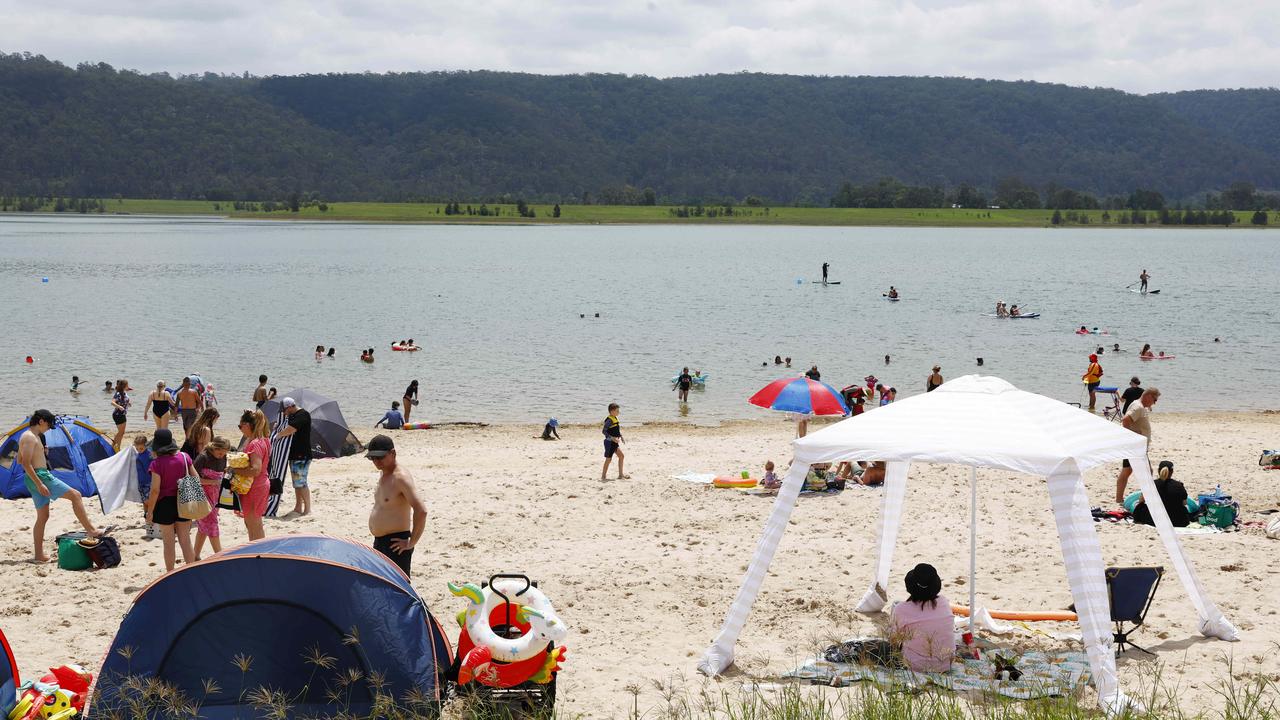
(1135, 45)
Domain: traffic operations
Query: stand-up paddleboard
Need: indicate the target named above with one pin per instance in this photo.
(1024, 316)
(1157, 357)
(1140, 292)
(819, 282)
(886, 297)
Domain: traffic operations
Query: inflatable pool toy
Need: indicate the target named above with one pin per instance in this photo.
(1025, 615)
(697, 380)
(734, 482)
(30, 360)
(406, 348)
(534, 609)
(237, 460)
(498, 661)
(1156, 357)
(416, 426)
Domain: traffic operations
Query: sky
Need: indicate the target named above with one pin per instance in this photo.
(1135, 45)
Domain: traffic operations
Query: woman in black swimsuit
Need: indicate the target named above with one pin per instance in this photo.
(159, 405)
(410, 399)
(934, 380)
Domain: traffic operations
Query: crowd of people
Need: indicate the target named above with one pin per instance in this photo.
(252, 486)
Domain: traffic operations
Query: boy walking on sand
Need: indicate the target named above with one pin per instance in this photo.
(42, 484)
(612, 430)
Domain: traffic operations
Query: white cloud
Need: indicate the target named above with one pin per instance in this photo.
(1136, 45)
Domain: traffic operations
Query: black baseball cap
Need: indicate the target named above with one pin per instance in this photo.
(379, 446)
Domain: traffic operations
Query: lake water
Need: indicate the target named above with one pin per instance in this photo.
(498, 308)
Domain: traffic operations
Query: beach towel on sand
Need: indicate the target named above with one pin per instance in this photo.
(1044, 674)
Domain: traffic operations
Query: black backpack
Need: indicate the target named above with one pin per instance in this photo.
(105, 553)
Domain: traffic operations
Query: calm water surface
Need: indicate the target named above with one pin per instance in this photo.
(497, 309)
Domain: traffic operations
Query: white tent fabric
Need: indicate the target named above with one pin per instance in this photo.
(983, 422)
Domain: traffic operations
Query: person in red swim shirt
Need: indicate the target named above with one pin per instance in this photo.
(1092, 378)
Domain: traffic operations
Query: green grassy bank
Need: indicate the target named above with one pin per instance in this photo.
(610, 214)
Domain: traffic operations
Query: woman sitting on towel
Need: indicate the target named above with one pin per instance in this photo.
(1173, 495)
(923, 625)
(920, 630)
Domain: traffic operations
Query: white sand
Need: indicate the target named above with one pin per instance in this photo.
(643, 570)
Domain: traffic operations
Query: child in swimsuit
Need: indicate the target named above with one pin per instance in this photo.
(770, 479)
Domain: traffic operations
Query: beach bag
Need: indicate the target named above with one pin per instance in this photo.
(1269, 459)
(193, 504)
(227, 497)
(71, 556)
(104, 551)
(1220, 515)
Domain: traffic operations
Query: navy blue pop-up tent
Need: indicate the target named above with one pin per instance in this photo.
(73, 444)
(9, 680)
(279, 601)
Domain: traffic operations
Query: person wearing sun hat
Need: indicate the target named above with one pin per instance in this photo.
(169, 466)
(1092, 378)
(923, 624)
(549, 431)
(399, 516)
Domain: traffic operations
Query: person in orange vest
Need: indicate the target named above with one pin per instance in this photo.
(1092, 377)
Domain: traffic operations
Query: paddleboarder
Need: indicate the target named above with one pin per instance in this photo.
(827, 265)
(1143, 278)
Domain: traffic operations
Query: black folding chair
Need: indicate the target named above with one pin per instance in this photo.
(1130, 591)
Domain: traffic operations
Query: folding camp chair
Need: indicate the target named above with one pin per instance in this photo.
(1130, 591)
(1114, 410)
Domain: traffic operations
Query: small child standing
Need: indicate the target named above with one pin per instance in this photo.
(143, 462)
(211, 465)
(770, 479)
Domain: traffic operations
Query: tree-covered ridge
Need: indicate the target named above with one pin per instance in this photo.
(93, 131)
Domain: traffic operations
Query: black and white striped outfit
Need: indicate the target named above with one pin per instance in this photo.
(278, 466)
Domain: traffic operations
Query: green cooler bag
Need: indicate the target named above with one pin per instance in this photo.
(70, 555)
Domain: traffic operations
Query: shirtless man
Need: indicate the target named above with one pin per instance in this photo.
(394, 502)
(260, 392)
(1143, 278)
(42, 484)
(190, 403)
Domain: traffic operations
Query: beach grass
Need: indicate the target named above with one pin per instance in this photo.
(606, 214)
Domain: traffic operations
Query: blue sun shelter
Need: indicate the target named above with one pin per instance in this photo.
(73, 444)
(9, 680)
(307, 616)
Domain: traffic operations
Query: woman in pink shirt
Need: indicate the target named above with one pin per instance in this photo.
(168, 467)
(923, 625)
(257, 445)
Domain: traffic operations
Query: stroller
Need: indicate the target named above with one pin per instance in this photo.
(517, 686)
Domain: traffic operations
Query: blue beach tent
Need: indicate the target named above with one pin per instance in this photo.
(73, 443)
(280, 601)
(9, 679)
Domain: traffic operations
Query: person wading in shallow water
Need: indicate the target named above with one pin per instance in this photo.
(399, 516)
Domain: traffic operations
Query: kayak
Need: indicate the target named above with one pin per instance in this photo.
(1024, 316)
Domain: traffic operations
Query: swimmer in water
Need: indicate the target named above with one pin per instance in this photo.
(1115, 348)
(1146, 351)
(75, 384)
(1014, 311)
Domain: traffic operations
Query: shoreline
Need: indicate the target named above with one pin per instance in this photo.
(413, 214)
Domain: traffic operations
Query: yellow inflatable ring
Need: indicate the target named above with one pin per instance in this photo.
(734, 482)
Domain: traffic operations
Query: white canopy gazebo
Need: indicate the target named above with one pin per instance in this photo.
(984, 422)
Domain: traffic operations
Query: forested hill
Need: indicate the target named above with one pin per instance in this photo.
(95, 131)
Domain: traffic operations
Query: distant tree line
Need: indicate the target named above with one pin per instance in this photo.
(488, 137)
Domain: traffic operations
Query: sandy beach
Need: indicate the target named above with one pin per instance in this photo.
(644, 569)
